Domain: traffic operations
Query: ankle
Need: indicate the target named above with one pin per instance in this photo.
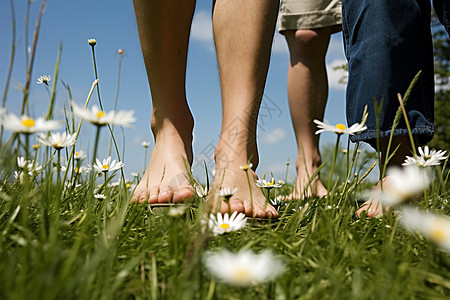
(170, 127)
(227, 155)
(310, 163)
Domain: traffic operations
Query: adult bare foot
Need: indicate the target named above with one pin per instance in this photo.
(166, 177)
(232, 177)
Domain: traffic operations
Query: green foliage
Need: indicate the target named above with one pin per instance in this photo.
(107, 249)
(441, 139)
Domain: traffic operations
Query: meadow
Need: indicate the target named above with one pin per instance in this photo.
(69, 231)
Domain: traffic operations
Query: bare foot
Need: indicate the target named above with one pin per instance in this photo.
(315, 188)
(241, 201)
(165, 179)
(373, 208)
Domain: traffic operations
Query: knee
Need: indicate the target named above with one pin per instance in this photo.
(309, 42)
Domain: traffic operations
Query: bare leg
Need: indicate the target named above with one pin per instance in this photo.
(307, 94)
(164, 28)
(243, 32)
(372, 207)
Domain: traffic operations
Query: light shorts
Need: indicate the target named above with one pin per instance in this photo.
(310, 14)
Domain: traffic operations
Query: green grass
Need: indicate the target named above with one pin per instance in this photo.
(69, 245)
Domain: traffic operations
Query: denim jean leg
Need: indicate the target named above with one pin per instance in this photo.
(442, 9)
(386, 43)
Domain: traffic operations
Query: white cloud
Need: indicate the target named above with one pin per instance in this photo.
(201, 29)
(274, 136)
(334, 76)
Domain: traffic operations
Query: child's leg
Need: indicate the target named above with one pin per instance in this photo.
(243, 32)
(164, 28)
(307, 94)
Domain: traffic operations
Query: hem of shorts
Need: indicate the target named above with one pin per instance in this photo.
(320, 19)
(425, 133)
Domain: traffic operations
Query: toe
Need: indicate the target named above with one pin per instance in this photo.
(237, 205)
(143, 197)
(165, 195)
(183, 194)
(153, 194)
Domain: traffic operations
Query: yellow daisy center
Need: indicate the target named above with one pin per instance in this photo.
(340, 126)
(437, 235)
(127, 185)
(100, 114)
(28, 123)
(241, 274)
(225, 226)
(105, 167)
(77, 153)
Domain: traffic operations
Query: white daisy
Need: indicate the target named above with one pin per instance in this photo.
(57, 140)
(145, 144)
(226, 192)
(262, 183)
(78, 170)
(44, 79)
(107, 165)
(225, 224)
(243, 268)
(202, 192)
(79, 155)
(426, 158)
(278, 200)
(339, 128)
(28, 165)
(27, 125)
(246, 167)
(101, 118)
(404, 183)
(92, 42)
(177, 210)
(99, 196)
(434, 227)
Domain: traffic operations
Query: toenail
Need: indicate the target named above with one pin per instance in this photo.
(153, 197)
(163, 193)
(269, 214)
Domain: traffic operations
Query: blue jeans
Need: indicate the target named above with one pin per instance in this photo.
(386, 43)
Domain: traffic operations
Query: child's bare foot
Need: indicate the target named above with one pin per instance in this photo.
(315, 188)
(165, 179)
(234, 177)
(372, 207)
(304, 174)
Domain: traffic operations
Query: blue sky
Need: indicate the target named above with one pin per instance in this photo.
(72, 23)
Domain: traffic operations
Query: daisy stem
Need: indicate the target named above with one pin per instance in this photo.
(287, 170)
(267, 198)
(97, 136)
(413, 147)
(27, 144)
(79, 127)
(33, 52)
(336, 149)
(250, 188)
(145, 158)
(117, 98)
(96, 77)
(58, 168)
